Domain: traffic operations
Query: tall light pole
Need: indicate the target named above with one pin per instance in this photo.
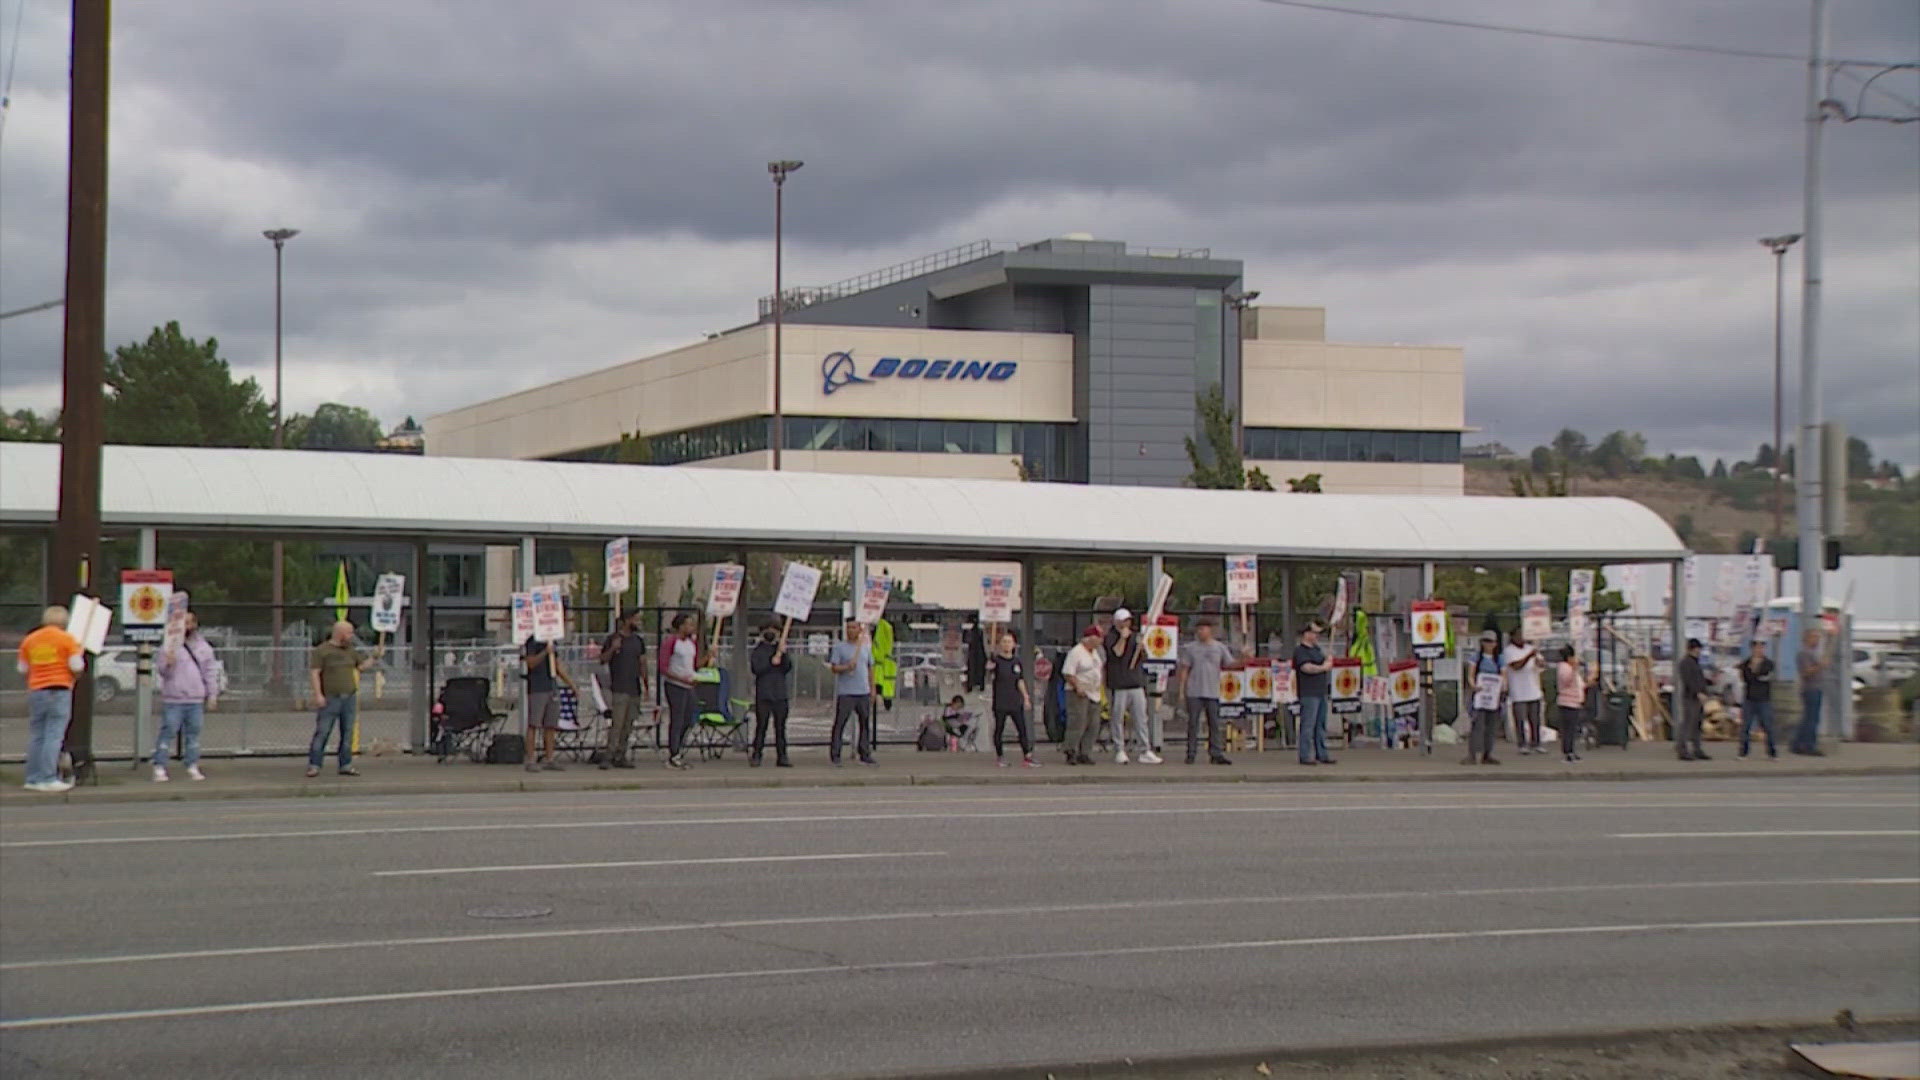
(1778, 245)
(279, 238)
(1806, 465)
(778, 170)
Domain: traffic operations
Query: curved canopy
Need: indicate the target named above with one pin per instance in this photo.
(313, 492)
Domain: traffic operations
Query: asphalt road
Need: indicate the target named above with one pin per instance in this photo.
(805, 933)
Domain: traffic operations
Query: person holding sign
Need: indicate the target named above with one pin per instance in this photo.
(334, 667)
(1570, 685)
(1692, 693)
(1008, 677)
(681, 654)
(772, 695)
(1522, 662)
(1127, 687)
(1489, 685)
(543, 705)
(852, 665)
(1085, 674)
(1314, 683)
(625, 654)
(189, 683)
(49, 658)
(1201, 662)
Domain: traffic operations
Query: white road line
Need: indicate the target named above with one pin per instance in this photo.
(238, 1008)
(947, 913)
(434, 871)
(792, 819)
(1769, 833)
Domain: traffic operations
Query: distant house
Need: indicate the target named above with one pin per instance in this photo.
(408, 438)
(1487, 451)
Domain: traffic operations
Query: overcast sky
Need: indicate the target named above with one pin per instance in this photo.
(493, 194)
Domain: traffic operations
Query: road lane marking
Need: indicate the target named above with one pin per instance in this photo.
(243, 1007)
(726, 861)
(1769, 833)
(792, 819)
(947, 913)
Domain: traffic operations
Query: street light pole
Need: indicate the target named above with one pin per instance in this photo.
(1778, 245)
(778, 170)
(1806, 466)
(279, 238)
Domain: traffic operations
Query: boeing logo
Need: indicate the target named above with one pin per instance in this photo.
(838, 370)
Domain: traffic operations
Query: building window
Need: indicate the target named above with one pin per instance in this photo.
(1045, 449)
(1341, 444)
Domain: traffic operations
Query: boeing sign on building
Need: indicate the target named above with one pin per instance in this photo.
(838, 370)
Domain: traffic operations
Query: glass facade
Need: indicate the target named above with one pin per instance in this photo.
(1341, 444)
(1046, 450)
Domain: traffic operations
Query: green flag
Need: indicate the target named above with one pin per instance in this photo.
(340, 593)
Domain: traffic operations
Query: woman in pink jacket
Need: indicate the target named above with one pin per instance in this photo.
(189, 681)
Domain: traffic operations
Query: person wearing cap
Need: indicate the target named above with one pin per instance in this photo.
(625, 653)
(1486, 721)
(1524, 693)
(851, 662)
(1085, 673)
(1201, 661)
(1127, 687)
(772, 695)
(1693, 697)
(1311, 675)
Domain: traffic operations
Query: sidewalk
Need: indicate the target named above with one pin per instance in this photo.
(902, 766)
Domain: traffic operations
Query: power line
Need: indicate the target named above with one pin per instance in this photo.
(13, 64)
(1561, 35)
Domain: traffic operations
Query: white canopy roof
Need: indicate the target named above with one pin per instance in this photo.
(291, 491)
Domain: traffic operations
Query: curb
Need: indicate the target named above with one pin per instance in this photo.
(300, 788)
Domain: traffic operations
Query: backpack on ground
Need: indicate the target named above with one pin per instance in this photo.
(507, 749)
(933, 735)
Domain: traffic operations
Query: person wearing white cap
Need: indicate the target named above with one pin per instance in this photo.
(1127, 689)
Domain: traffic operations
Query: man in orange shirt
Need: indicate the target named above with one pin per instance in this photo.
(49, 658)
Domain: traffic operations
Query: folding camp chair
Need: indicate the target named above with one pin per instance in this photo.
(720, 721)
(581, 726)
(464, 722)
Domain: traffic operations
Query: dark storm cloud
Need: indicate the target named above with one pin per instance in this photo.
(1575, 214)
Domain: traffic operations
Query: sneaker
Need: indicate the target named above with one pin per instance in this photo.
(194, 773)
(1000, 761)
(532, 765)
(1328, 761)
(754, 761)
(1489, 760)
(349, 771)
(1150, 758)
(1222, 760)
(1120, 758)
(160, 774)
(1468, 760)
(313, 771)
(51, 787)
(550, 765)
(1702, 756)
(783, 763)
(1027, 762)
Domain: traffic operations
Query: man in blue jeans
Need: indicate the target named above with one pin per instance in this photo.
(1756, 675)
(1812, 670)
(1311, 670)
(335, 667)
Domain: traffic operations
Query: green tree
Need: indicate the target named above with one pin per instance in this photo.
(1305, 485)
(25, 425)
(334, 427)
(1619, 454)
(1683, 527)
(1859, 458)
(1686, 468)
(171, 390)
(1571, 446)
(1218, 464)
(1719, 468)
(1763, 458)
(1258, 480)
(1541, 460)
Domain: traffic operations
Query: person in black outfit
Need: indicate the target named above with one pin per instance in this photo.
(1756, 675)
(772, 695)
(1010, 701)
(976, 642)
(625, 653)
(1692, 694)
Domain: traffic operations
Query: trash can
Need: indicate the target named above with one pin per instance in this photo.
(1615, 721)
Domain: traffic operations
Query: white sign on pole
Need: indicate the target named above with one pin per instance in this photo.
(1243, 580)
(723, 598)
(873, 599)
(522, 616)
(176, 634)
(549, 614)
(797, 589)
(143, 603)
(1724, 583)
(389, 593)
(618, 577)
(88, 621)
(1339, 612)
(1579, 602)
(1756, 580)
(1536, 616)
(996, 598)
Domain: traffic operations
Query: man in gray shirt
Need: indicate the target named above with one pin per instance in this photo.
(852, 664)
(1201, 661)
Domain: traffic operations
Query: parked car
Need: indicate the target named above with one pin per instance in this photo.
(114, 672)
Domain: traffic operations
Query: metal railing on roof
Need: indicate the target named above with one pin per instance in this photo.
(809, 295)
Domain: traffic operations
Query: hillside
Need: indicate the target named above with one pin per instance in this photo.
(1705, 513)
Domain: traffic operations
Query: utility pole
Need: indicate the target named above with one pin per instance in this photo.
(1778, 245)
(1806, 465)
(279, 238)
(778, 170)
(75, 557)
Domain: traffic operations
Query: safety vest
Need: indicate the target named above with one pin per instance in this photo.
(886, 670)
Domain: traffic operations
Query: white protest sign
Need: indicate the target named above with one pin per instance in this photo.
(996, 598)
(549, 614)
(1486, 691)
(1536, 616)
(522, 616)
(176, 634)
(1243, 580)
(1338, 613)
(88, 620)
(797, 589)
(1427, 629)
(723, 598)
(618, 575)
(389, 593)
(873, 599)
(1579, 602)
